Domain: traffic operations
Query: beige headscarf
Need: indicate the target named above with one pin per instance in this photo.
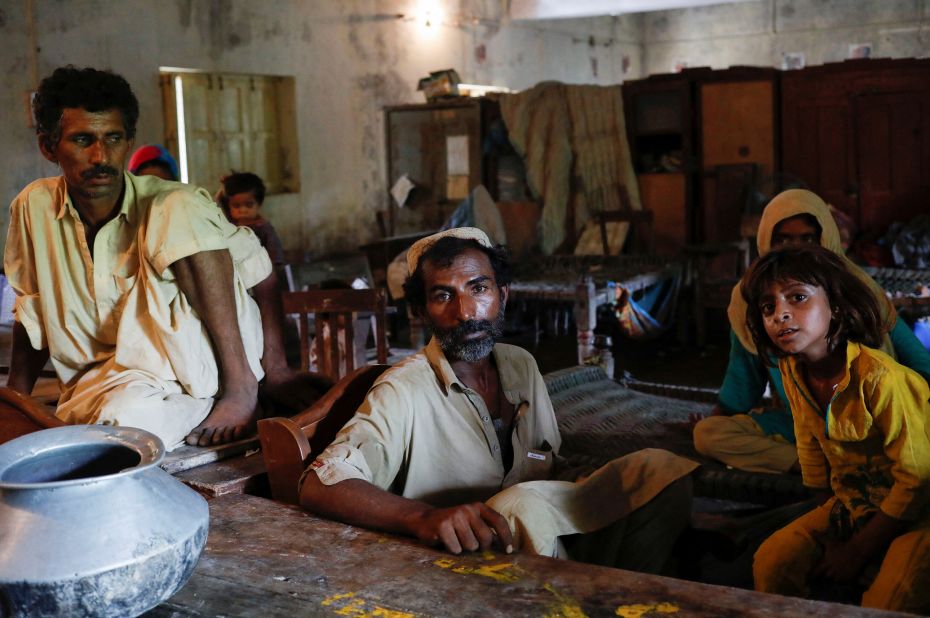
(788, 204)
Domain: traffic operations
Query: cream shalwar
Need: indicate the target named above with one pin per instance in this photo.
(126, 345)
(424, 435)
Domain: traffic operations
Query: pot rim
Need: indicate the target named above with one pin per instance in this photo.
(148, 446)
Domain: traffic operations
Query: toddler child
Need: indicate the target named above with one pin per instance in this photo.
(241, 199)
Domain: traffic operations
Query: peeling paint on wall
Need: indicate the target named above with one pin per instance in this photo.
(185, 11)
(352, 57)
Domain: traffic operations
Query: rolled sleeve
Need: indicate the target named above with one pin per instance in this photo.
(28, 312)
(19, 268)
(249, 257)
(372, 445)
(342, 462)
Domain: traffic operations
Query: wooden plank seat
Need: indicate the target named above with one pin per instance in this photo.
(601, 419)
(21, 415)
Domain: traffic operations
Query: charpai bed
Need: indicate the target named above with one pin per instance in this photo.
(601, 419)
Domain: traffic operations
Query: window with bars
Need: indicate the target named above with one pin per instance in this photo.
(218, 122)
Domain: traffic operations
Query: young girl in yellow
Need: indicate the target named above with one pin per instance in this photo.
(861, 422)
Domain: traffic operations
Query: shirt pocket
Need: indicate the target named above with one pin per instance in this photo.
(537, 465)
(124, 277)
(850, 426)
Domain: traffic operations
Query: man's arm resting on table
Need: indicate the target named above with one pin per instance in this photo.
(25, 362)
(358, 502)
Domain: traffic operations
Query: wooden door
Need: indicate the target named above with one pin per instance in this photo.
(893, 157)
(858, 134)
(818, 150)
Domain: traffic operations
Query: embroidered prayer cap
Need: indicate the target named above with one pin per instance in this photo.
(422, 246)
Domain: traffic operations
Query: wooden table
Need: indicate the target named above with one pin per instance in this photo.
(265, 558)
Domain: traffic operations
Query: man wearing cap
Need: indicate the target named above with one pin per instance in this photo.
(443, 432)
(136, 288)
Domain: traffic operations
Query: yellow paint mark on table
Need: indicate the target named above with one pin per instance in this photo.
(505, 572)
(350, 604)
(564, 607)
(640, 610)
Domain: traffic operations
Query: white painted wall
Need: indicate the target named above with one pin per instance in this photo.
(759, 33)
(352, 57)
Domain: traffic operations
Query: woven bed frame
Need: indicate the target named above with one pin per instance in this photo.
(600, 419)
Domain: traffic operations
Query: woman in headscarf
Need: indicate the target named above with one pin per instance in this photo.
(757, 439)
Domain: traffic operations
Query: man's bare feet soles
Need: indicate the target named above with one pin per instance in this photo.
(232, 418)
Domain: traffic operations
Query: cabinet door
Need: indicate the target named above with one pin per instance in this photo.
(665, 195)
(737, 129)
(738, 124)
(893, 157)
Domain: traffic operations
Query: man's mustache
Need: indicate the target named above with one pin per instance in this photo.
(99, 170)
(471, 326)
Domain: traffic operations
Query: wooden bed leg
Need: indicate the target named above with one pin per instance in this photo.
(585, 318)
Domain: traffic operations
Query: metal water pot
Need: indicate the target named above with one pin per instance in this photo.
(91, 526)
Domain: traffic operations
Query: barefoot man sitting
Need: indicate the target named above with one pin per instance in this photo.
(137, 287)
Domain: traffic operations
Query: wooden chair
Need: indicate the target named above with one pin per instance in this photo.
(335, 312)
(20, 415)
(714, 269)
(289, 444)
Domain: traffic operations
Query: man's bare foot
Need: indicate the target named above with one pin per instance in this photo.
(232, 418)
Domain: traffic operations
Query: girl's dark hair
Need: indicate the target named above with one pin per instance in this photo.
(442, 253)
(856, 312)
(89, 89)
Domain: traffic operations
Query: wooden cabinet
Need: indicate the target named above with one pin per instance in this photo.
(858, 134)
(447, 149)
(738, 143)
(660, 123)
(718, 130)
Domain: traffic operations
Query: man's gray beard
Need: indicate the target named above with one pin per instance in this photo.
(456, 347)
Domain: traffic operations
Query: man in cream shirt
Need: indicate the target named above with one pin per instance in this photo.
(443, 432)
(136, 287)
